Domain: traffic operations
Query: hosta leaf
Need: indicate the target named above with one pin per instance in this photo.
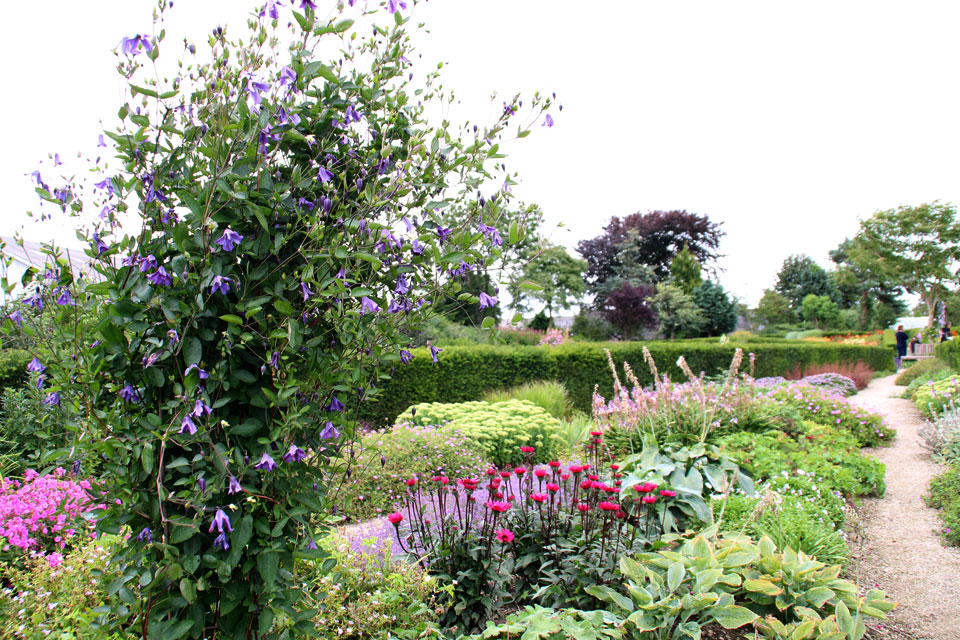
(765, 587)
(733, 616)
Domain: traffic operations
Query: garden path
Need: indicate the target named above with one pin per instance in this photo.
(901, 550)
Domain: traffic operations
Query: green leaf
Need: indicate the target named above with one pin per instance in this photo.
(146, 457)
(178, 630)
(188, 590)
(530, 285)
(760, 585)
(488, 323)
(733, 616)
(818, 595)
(609, 595)
(267, 564)
(675, 575)
(232, 319)
(134, 89)
(192, 351)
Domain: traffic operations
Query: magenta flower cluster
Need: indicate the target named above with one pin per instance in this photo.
(41, 514)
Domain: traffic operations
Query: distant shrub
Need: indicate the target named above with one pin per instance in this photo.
(383, 460)
(13, 367)
(499, 429)
(30, 429)
(528, 337)
(550, 396)
(591, 327)
(921, 368)
(859, 372)
(832, 382)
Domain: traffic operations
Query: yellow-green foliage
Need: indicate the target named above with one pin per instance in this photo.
(933, 398)
(499, 428)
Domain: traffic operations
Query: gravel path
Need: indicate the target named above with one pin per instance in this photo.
(901, 551)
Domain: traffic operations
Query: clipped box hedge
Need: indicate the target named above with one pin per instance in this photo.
(466, 373)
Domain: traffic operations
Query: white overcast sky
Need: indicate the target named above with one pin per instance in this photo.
(785, 121)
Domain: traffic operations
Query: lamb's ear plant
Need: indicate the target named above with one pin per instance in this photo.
(270, 224)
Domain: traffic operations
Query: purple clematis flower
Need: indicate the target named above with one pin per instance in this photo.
(434, 351)
(394, 5)
(202, 483)
(145, 535)
(287, 76)
(324, 175)
(351, 114)
(41, 379)
(416, 247)
(99, 246)
(294, 454)
(16, 317)
(307, 294)
(52, 399)
(188, 426)
(303, 203)
(64, 299)
(173, 336)
(128, 394)
(105, 185)
(308, 4)
(329, 432)
(147, 263)
(405, 356)
(275, 360)
(487, 300)
(220, 522)
(220, 542)
(160, 277)
(34, 301)
(148, 361)
(266, 463)
(100, 141)
(270, 9)
(402, 285)
(548, 121)
(335, 405)
(133, 46)
(229, 240)
(221, 284)
(443, 233)
(368, 306)
(234, 486)
(311, 544)
(203, 374)
(200, 408)
(35, 366)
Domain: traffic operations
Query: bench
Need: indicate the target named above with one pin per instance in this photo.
(921, 352)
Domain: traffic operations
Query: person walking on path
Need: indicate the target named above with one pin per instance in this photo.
(901, 345)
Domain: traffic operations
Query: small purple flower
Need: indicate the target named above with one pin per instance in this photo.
(16, 317)
(351, 114)
(202, 483)
(335, 405)
(229, 239)
(41, 379)
(105, 185)
(147, 263)
(100, 141)
(34, 301)
(368, 306)
(307, 4)
(133, 46)
(220, 284)
(203, 374)
(303, 203)
(200, 408)
(443, 233)
(487, 300)
(64, 299)
(173, 336)
(394, 5)
(311, 544)
(324, 175)
(99, 246)
(275, 360)
(128, 394)
(145, 535)
(548, 121)
(307, 294)
(234, 486)
(287, 76)
(266, 463)
(220, 522)
(294, 454)
(402, 285)
(52, 399)
(148, 361)
(220, 542)
(434, 351)
(405, 356)
(329, 432)
(160, 278)
(271, 9)
(188, 426)
(35, 366)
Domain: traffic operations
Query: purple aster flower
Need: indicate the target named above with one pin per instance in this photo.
(220, 284)
(16, 317)
(402, 286)
(275, 360)
(443, 233)
(220, 522)
(234, 486)
(335, 405)
(229, 239)
(368, 306)
(147, 263)
(266, 463)
(35, 366)
(160, 277)
(145, 535)
(100, 141)
(548, 121)
(324, 175)
(188, 426)
(64, 298)
(405, 356)
(99, 246)
(199, 408)
(294, 454)
(487, 300)
(434, 351)
(52, 399)
(329, 432)
(307, 294)
(203, 374)
(128, 394)
(220, 542)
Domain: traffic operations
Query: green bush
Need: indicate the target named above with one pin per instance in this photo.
(945, 496)
(550, 396)
(818, 451)
(466, 373)
(817, 405)
(13, 367)
(375, 484)
(369, 595)
(949, 352)
(499, 430)
(921, 368)
(932, 398)
(30, 430)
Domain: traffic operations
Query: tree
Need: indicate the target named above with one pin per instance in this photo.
(914, 247)
(799, 277)
(685, 271)
(559, 277)
(774, 308)
(719, 311)
(679, 315)
(820, 310)
(868, 290)
(629, 309)
(658, 237)
(292, 229)
(462, 309)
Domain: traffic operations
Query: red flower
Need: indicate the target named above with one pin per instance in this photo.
(554, 463)
(498, 495)
(575, 468)
(609, 506)
(596, 434)
(491, 472)
(411, 482)
(495, 483)
(583, 507)
(593, 477)
(504, 474)
(648, 499)
(668, 494)
(395, 518)
(586, 484)
(646, 487)
(520, 471)
(498, 506)
(468, 483)
(553, 487)
(504, 536)
(614, 467)
(585, 466)
(527, 449)
(564, 476)
(540, 473)
(441, 479)
(538, 497)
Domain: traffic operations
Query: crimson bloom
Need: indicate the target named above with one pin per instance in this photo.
(538, 497)
(648, 499)
(609, 506)
(504, 536)
(499, 506)
(395, 518)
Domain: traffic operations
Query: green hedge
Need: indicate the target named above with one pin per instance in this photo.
(949, 352)
(466, 373)
(13, 367)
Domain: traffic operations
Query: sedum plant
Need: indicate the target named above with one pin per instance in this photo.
(272, 224)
